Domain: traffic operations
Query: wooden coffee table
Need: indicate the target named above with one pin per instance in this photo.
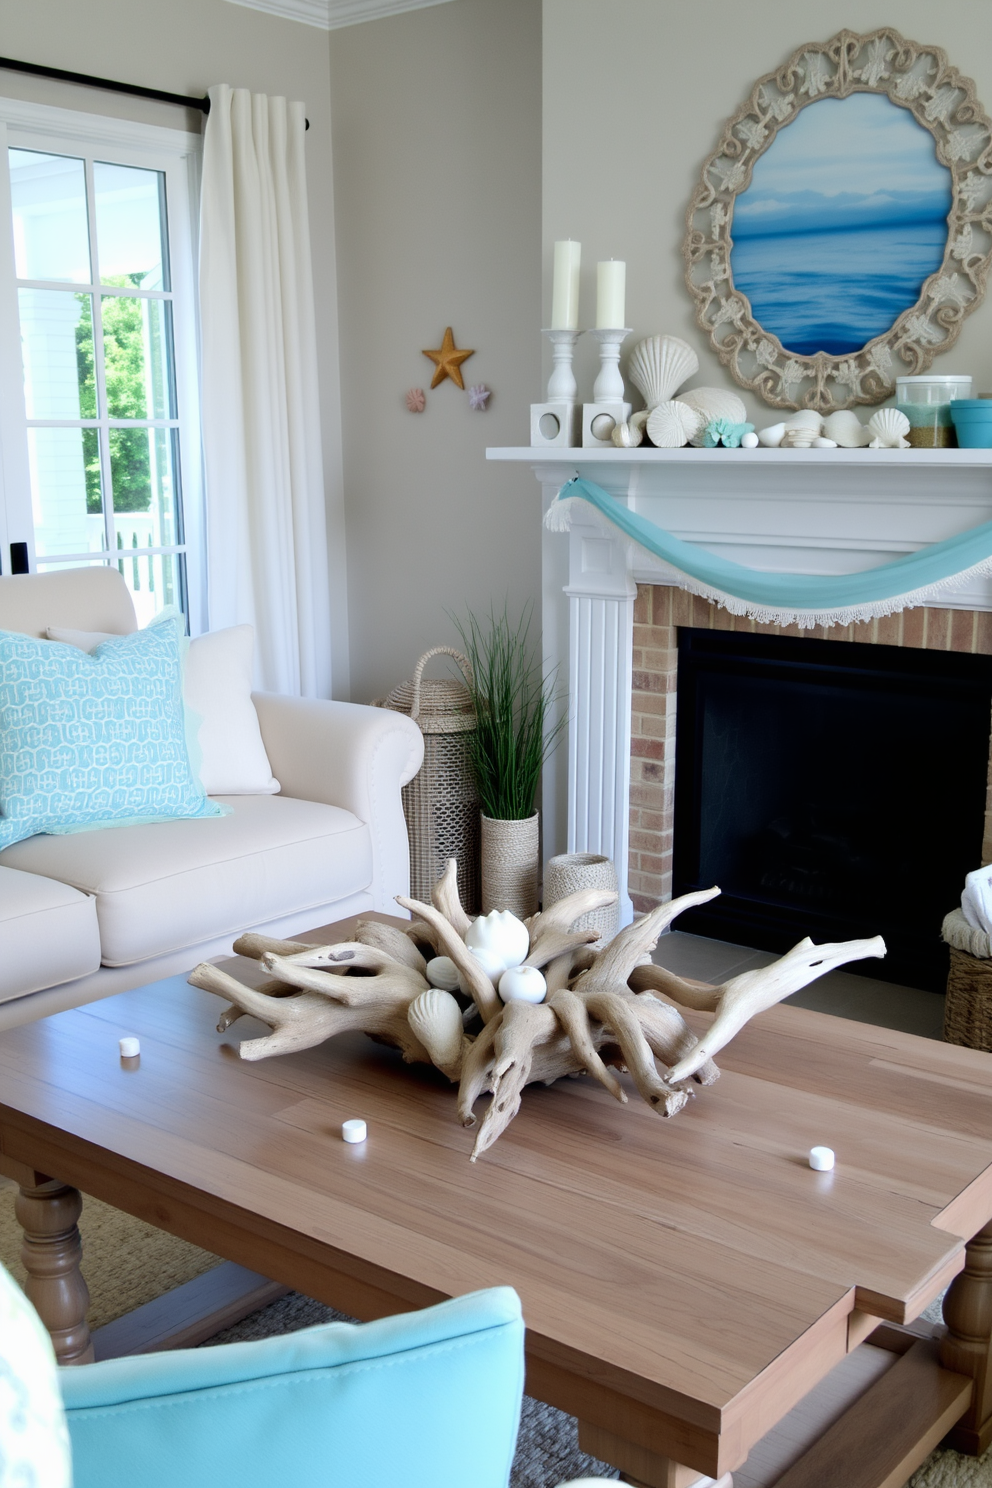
(694, 1293)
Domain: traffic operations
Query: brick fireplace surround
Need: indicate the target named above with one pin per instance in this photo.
(658, 612)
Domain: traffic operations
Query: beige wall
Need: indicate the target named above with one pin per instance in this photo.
(184, 46)
(437, 159)
(635, 95)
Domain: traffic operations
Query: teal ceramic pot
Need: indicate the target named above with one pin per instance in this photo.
(973, 422)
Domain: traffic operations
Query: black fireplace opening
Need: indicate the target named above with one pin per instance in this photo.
(831, 789)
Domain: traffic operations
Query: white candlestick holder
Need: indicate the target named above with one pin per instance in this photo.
(608, 408)
(556, 422)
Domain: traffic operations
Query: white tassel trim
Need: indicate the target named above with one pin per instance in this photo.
(559, 519)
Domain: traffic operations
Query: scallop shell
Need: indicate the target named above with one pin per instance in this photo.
(846, 429)
(673, 424)
(714, 403)
(627, 436)
(659, 365)
(436, 1019)
(888, 428)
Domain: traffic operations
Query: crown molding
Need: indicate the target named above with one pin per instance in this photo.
(330, 14)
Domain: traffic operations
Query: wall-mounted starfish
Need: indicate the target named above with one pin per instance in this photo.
(448, 361)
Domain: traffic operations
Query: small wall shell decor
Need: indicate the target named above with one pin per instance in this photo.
(416, 400)
(671, 425)
(799, 431)
(888, 429)
(627, 436)
(478, 397)
(659, 365)
(714, 403)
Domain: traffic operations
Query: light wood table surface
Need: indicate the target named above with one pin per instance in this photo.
(686, 1283)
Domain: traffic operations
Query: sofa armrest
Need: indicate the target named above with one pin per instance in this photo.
(348, 755)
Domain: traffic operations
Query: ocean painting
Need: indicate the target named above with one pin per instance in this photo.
(844, 219)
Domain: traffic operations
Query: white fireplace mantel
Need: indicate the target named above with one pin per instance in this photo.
(799, 511)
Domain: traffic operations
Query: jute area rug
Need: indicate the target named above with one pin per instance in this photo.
(128, 1263)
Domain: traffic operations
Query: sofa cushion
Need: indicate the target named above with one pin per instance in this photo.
(90, 740)
(48, 931)
(166, 885)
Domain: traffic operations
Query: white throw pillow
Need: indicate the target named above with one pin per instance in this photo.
(216, 687)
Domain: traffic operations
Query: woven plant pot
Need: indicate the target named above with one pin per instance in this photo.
(510, 863)
(968, 1006)
(568, 873)
(441, 803)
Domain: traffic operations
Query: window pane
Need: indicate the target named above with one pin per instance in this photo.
(57, 351)
(130, 226)
(154, 579)
(143, 464)
(136, 350)
(65, 490)
(51, 239)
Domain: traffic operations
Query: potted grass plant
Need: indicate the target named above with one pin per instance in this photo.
(515, 733)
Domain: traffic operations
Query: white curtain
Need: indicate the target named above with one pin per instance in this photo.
(265, 517)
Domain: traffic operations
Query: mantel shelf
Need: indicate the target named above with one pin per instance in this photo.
(738, 460)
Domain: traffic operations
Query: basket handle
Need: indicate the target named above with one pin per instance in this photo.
(418, 672)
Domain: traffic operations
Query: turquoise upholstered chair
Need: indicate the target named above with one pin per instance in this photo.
(426, 1400)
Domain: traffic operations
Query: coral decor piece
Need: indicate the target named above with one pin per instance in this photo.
(448, 361)
(416, 400)
(478, 397)
(603, 1010)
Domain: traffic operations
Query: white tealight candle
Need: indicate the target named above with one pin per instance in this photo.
(354, 1131)
(130, 1048)
(611, 286)
(821, 1158)
(565, 293)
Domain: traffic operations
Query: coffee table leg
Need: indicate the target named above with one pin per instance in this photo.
(967, 1345)
(51, 1253)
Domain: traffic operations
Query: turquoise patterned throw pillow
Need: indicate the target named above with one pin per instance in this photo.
(34, 1440)
(94, 740)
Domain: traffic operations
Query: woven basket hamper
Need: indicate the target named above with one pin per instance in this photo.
(441, 803)
(968, 1007)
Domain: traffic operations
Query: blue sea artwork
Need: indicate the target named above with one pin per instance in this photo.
(843, 221)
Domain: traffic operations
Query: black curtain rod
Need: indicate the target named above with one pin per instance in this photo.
(181, 99)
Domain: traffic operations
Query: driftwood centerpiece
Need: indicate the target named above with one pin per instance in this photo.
(605, 1010)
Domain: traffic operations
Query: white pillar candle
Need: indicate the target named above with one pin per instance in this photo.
(821, 1158)
(354, 1130)
(130, 1048)
(611, 284)
(565, 294)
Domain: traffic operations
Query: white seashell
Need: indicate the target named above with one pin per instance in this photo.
(671, 425)
(436, 1019)
(749, 440)
(714, 403)
(798, 438)
(889, 428)
(820, 443)
(502, 933)
(639, 420)
(846, 429)
(659, 365)
(627, 436)
(492, 964)
(805, 418)
(522, 984)
(771, 437)
(442, 972)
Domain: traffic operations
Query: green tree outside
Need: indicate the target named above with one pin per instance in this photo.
(124, 362)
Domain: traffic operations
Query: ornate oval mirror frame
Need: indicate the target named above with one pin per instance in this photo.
(916, 78)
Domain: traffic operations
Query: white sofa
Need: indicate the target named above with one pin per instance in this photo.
(93, 913)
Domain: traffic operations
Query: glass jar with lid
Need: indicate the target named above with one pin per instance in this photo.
(926, 402)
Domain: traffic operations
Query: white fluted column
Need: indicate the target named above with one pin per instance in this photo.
(601, 595)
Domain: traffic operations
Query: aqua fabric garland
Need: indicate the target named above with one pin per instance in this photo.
(785, 598)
